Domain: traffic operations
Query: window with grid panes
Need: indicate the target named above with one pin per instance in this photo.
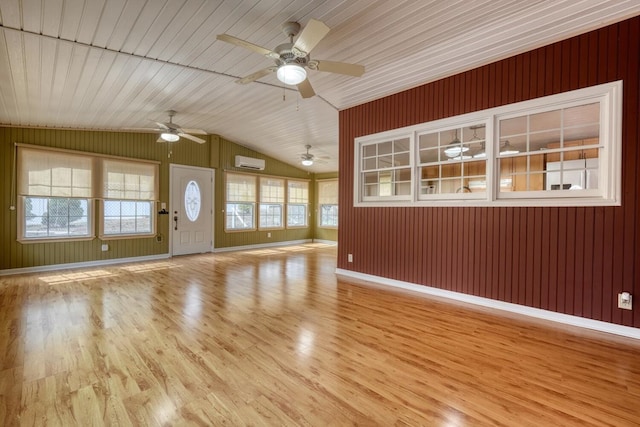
(271, 202)
(297, 203)
(558, 150)
(328, 203)
(452, 162)
(240, 194)
(129, 194)
(386, 169)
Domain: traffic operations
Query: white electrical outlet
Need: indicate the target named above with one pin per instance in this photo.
(625, 301)
(268, 234)
(105, 248)
(350, 258)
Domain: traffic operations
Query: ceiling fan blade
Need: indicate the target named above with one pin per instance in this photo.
(354, 70)
(191, 137)
(255, 76)
(305, 89)
(162, 125)
(311, 35)
(192, 131)
(247, 45)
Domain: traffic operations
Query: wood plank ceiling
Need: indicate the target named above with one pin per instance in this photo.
(117, 64)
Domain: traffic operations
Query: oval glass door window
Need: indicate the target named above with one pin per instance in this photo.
(192, 201)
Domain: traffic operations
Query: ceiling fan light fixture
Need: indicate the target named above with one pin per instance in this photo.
(307, 162)
(291, 74)
(454, 148)
(509, 149)
(169, 137)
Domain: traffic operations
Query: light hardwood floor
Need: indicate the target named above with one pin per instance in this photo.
(271, 337)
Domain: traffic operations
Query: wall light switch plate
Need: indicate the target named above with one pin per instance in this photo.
(625, 301)
(350, 258)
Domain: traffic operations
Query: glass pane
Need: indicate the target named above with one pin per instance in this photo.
(582, 114)
(401, 159)
(384, 162)
(403, 175)
(192, 201)
(451, 170)
(429, 140)
(329, 215)
(296, 215)
(369, 164)
(514, 126)
(543, 140)
(403, 189)
(450, 186)
(371, 190)
(475, 168)
(239, 216)
(549, 120)
(430, 172)
(143, 217)
(429, 156)
(369, 150)
(401, 145)
(385, 148)
(270, 215)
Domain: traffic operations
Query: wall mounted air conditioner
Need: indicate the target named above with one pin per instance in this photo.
(249, 163)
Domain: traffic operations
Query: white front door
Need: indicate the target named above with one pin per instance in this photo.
(191, 210)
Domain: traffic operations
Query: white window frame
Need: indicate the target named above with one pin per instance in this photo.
(266, 203)
(253, 203)
(451, 127)
(135, 192)
(320, 198)
(378, 139)
(93, 191)
(609, 95)
(296, 203)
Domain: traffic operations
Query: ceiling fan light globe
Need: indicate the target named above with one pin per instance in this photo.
(169, 137)
(307, 162)
(291, 74)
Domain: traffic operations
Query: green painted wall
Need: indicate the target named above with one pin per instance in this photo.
(125, 144)
(217, 153)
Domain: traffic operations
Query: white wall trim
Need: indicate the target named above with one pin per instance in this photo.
(71, 265)
(538, 313)
(262, 245)
(326, 242)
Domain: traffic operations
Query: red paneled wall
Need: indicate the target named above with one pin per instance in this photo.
(569, 260)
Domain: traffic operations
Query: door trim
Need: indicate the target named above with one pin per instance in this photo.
(172, 167)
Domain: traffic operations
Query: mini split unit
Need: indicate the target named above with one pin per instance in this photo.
(249, 163)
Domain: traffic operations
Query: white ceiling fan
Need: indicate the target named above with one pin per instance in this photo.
(308, 159)
(292, 59)
(172, 132)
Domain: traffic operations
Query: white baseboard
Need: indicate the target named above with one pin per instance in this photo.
(326, 242)
(262, 245)
(538, 313)
(53, 267)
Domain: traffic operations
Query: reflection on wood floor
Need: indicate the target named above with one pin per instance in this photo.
(271, 337)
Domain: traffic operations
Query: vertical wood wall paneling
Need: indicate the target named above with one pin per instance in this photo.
(632, 175)
(570, 260)
(124, 144)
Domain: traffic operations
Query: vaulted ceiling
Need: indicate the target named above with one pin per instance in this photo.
(120, 64)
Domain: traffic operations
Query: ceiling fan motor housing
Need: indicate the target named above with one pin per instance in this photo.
(287, 55)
